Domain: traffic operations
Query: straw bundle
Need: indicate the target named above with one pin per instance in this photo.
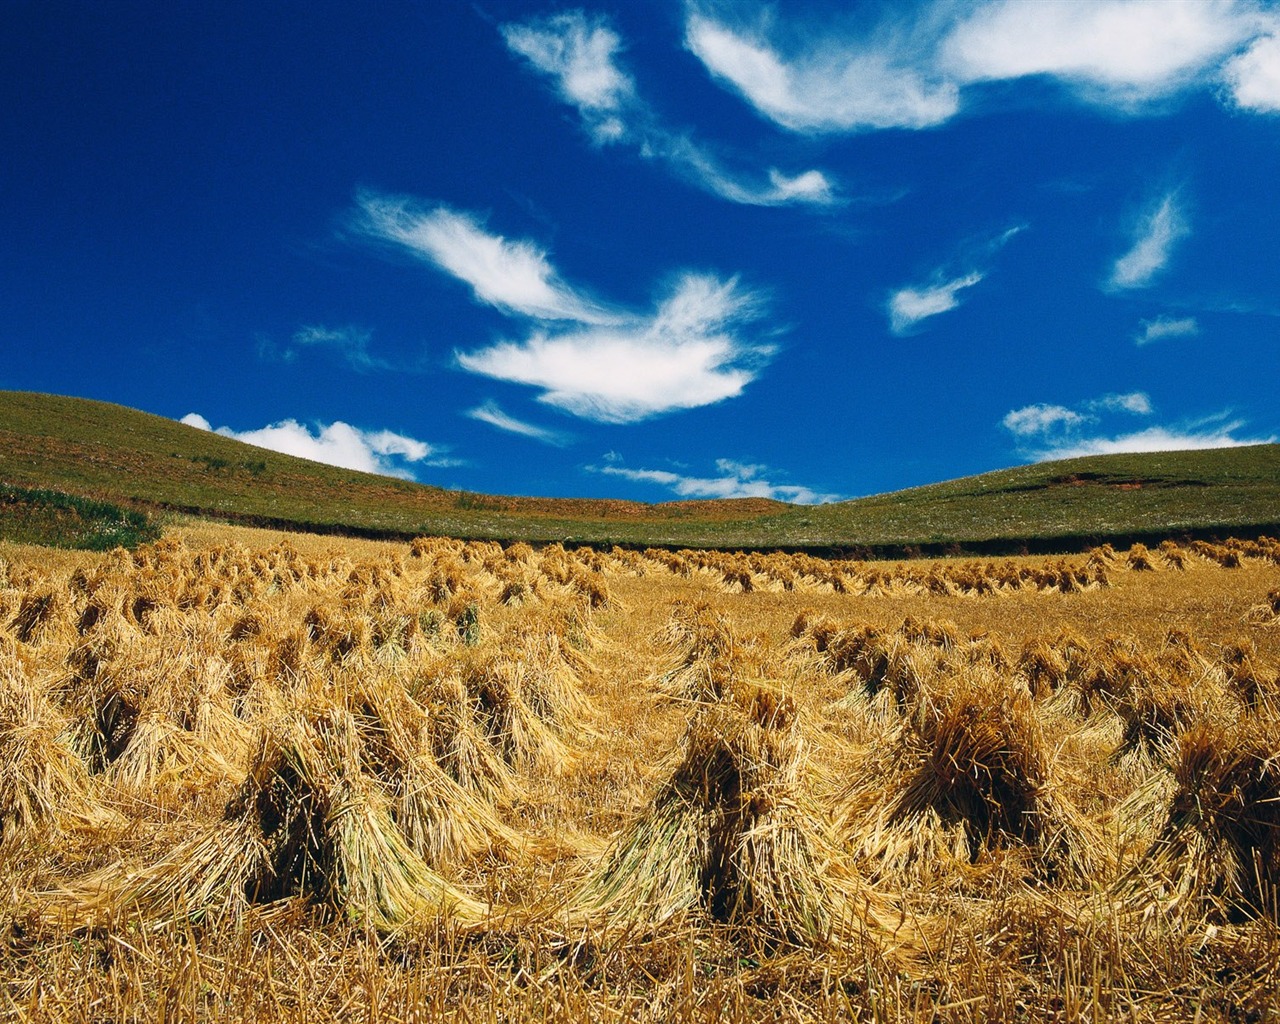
(967, 773)
(1218, 851)
(1095, 681)
(458, 740)
(43, 616)
(701, 652)
(44, 785)
(443, 822)
(307, 821)
(731, 835)
(500, 688)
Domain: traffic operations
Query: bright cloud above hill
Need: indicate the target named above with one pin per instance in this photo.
(734, 480)
(338, 444)
(1058, 432)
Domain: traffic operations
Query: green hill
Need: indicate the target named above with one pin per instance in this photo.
(110, 453)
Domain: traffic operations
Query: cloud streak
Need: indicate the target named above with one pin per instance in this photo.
(840, 85)
(1163, 327)
(491, 413)
(684, 355)
(338, 444)
(350, 344)
(908, 306)
(511, 276)
(735, 480)
(1154, 238)
(580, 54)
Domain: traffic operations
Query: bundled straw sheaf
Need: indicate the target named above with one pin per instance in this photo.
(44, 784)
(731, 835)
(968, 772)
(1217, 853)
(309, 820)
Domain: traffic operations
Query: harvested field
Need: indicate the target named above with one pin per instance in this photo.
(250, 775)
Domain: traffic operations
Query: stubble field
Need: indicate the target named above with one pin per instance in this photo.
(245, 775)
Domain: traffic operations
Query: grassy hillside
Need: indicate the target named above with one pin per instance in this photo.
(112, 453)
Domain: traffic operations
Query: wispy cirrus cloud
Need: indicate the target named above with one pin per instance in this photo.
(581, 55)
(350, 344)
(512, 276)
(1155, 234)
(916, 69)
(1044, 432)
(491, 413)
(1222, 433)
(338, 444)
(1034, 420)
(1118, 53)
(734, 480)
(908, 306)
(838, 84)
(595, 361)
(1163, 327)
(1042, 420)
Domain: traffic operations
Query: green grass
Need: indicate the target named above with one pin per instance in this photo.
(119, 455)
(54, 519)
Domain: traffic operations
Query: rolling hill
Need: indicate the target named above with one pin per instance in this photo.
(111, 453)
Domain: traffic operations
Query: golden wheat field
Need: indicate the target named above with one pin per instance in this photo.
(251, 776)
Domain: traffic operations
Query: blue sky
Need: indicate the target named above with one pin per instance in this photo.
(651, 250)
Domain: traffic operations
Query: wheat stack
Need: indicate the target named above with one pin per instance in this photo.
(732, 836)
(968, 772)
(1217, 852)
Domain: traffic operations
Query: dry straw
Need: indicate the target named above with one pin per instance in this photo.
(1217, 852)
(732, 836)
(967, 773)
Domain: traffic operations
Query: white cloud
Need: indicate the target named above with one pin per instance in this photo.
(1116, 52)
(601, 363)
(490, 413)
(1040, 419)
(908, 306)
(1058, 432)
(1253, 77)
(1153, 439)
(579, 53)
(512, 276)
(694, 161)
(1167, 327)
(736, 480)
(682, 356)
(838, 86)
(1136, 402)
(912, 70)
(337, 444)
(1152, 246)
